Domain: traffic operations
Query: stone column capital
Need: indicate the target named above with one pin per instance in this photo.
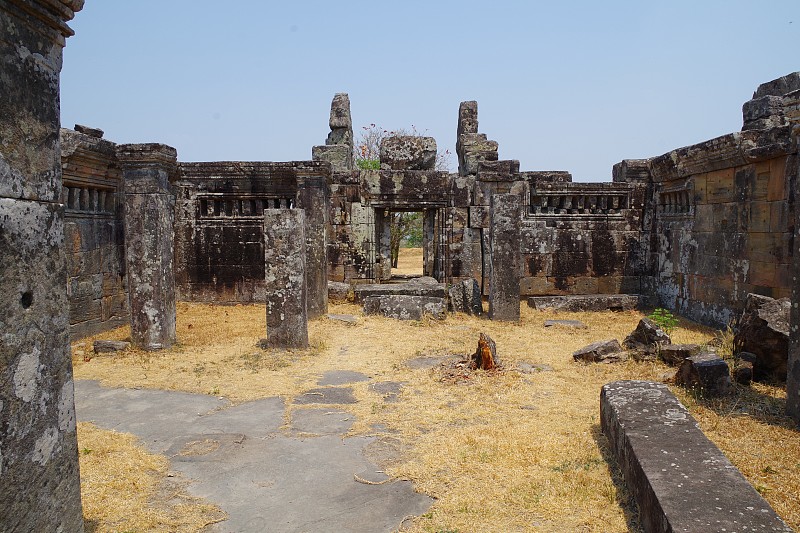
(54, 15)
(147, 168)
(146, 154)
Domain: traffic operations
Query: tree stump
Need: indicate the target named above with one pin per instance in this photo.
(485, 357)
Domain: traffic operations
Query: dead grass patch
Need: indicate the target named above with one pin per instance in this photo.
(409, 262)
(501, 451)
(125, 488)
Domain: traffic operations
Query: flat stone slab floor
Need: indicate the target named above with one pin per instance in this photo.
(265, 478)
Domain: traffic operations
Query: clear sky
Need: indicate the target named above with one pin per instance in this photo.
(561, 85)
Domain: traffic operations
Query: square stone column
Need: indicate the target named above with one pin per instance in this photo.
(312, 198)
(39, 478)
(505, 218)
(285, 277)
(148, 170)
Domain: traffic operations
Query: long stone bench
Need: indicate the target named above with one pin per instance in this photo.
(586, 302)
(680, 480)
(411, 288)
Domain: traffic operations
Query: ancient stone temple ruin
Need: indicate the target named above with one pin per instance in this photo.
(694, 230)
(95, 234)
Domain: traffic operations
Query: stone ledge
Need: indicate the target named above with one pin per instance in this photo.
(583, 302)
(680, 480)
(433, 290)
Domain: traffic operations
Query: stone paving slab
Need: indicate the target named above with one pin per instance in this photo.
(266, 479)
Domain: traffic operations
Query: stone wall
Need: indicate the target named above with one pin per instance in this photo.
(93, 231)
(219, 237)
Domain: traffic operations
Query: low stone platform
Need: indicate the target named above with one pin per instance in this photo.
(586, 302)
(411, 288)
(403, 307)
(680, 480)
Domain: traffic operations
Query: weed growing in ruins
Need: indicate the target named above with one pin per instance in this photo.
(664, 319)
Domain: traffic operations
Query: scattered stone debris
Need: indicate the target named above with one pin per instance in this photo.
(575, 324)
(675, 354)
(647, 337)
(707, 372)
(533, 368)
(485, 357)
(607, 351)
(764, 331)
(103, 346)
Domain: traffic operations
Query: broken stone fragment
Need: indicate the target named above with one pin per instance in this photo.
(340, 112)
(764, 331)
(485, 357)
(743, 372)
(575, 324)
(675, 354)
(91, 132)
(647, 337)
(465, 297)
(467, 117)
(706, 371)
(607, 351)
(101, 346)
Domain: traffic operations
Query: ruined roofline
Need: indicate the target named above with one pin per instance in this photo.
(228, 169)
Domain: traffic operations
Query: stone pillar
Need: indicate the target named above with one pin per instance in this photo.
(312, 198)
(505, 216)
(285, 277)
(39, 479)
(149, 241)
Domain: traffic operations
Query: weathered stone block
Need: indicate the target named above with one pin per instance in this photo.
(338, 291)
(504, 257)
(607, 351)
(646, 337)
(764, 331)
(600, 302)
(404, 307)
(467, 117)
(433, 290)
(340, 156)
(340, 112)
(678, 478)
(707, 371)
(285, 278)
(104, 346)
(675, 354)
(312, 197)
(408, 152)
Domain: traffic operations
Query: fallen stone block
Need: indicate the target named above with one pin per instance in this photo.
(404, 307)
(347, 319)
(593, 302)
(101, 346)
(607, 351)
(679, 479)
(338, 291)
(675, 354)
(706, 371)
(647, 337)
(743, 372)
(764, 331)
(576, 324)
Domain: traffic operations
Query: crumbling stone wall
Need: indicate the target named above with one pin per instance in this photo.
(219, 237)
(93, 232)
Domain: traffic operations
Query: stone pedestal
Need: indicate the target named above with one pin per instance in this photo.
(285, 277)
(148, 170)
(504, 258)
(39, 479)
(312, 198)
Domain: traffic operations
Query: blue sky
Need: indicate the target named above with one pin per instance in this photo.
(562, 85)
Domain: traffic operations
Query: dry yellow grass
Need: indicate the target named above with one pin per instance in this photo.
(502, 451)
(125, 488)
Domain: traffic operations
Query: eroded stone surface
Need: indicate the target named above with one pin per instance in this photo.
(405, 307)
(679, 479)
(408, 152)
(504, 257)
(607, 351)
(764, 331)
(706, 371)
(285, 265)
